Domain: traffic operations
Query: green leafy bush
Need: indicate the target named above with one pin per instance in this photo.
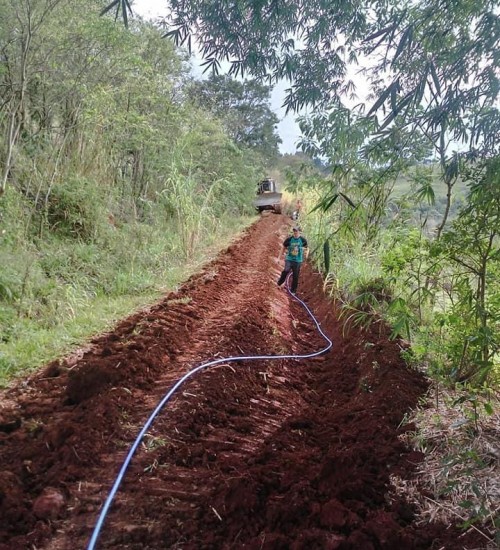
(76, 208)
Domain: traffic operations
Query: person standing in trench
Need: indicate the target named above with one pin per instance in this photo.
(295, 250)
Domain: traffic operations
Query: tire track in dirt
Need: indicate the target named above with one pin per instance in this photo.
(272, 454)
(182, 488)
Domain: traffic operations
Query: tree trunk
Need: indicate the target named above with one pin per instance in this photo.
(18, 111)
(449, 182)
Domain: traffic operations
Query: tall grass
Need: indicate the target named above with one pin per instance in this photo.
(89, 268)
(119, 188)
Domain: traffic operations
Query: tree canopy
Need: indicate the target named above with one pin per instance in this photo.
(243, 107)
(426, 68)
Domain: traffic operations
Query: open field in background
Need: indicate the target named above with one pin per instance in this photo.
(403, 185)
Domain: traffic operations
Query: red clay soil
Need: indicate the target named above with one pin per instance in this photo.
(283, 454)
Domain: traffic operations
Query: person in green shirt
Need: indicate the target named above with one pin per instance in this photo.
(295, 250)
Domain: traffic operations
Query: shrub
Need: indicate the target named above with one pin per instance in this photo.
(75, 208)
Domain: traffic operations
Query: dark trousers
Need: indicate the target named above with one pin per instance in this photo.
(294, 267)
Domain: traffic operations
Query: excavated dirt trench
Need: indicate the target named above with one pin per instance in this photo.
(285, 454)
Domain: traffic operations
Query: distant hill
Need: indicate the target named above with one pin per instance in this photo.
(403, 185)
(433, 212)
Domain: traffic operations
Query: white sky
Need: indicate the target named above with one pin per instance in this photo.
(288, 129)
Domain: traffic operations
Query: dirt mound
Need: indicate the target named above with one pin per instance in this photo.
(292, 454)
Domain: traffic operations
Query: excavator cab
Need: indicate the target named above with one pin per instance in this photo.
(267, 196)
(266, 186)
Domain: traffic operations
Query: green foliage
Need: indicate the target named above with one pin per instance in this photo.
(441, 295)
(422, 74)
(118, 187)
(472, 402)
(76, 208)
(432, 76)
(422, 182)
(243, 108)
(471, 249)
(401, 318)
(261, 39)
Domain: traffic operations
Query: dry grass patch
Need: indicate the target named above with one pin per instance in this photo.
(459, 478)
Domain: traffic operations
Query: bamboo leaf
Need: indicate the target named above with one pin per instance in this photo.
(109, 7)
(326, 255)
(393, 114)
(124, 5)
(124, 12)
(385, 94)
(174, 33)
(325, 203)
(380, 32)
(407, 35)
(329, 203)
(435, 78)
(348, 200)
(420, 90)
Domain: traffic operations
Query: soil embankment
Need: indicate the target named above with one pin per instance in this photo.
(286, 454)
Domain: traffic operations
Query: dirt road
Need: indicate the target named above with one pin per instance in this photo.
(285, 454)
